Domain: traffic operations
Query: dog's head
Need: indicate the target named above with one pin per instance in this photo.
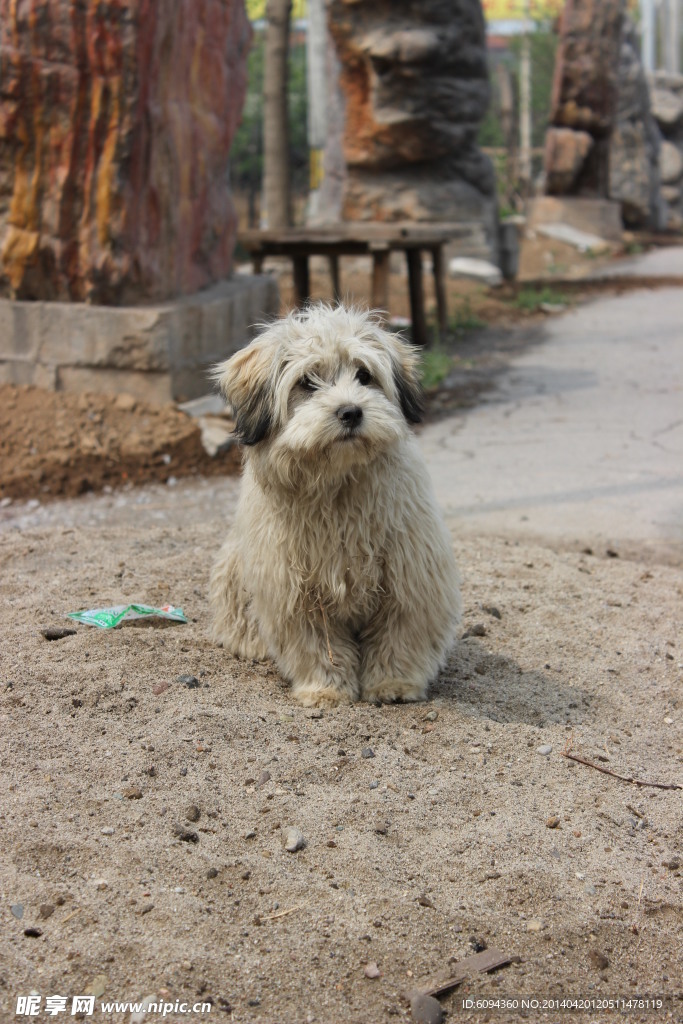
(323, 387)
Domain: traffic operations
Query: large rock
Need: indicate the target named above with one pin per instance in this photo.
(116, 120)
(635, 142)
(412, 88)
(414, 77)
(670, 163)
(585, 83)
(565, 152)
(584, 92)
(667, 108)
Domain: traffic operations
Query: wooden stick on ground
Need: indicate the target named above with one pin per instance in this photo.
(615, 775)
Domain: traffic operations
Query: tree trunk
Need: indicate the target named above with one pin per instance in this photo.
(276, 160)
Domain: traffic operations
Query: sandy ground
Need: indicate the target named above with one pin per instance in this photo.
(148, 781)
(143, 815)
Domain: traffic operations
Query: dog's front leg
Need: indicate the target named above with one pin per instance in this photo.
(321, 661)
(400, 656)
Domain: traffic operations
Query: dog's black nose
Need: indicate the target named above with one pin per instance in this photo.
(349, 415)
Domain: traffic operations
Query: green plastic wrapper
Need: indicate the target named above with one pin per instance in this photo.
(107, 618)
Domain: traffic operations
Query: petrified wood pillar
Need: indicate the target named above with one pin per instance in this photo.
(413, 89)
(116, 119)
(584, 97)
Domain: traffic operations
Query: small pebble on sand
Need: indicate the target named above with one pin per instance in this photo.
(598, 959)
(426, 1009)
(293, 839)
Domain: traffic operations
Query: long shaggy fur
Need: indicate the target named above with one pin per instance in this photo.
(339, 565)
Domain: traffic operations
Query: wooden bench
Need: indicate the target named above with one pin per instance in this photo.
(362, 239)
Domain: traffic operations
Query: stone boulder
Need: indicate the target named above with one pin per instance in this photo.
(634, 144)
(565, 152)
(585, 83)
(411, 82)
(670, 163)
(667, 107)
(585, 87)
(116, 120)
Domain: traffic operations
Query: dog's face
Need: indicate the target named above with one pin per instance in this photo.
(324, 387)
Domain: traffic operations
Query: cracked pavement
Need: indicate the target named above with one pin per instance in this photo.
(581, 442)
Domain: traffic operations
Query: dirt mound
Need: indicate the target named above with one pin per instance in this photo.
(54, 444)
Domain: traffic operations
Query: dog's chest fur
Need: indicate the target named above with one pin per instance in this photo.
(327, 548)
(336, 550)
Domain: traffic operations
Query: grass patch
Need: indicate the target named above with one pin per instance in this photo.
(531, 299)
(466, 319)
(435, 366)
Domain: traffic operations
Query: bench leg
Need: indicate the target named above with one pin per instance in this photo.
(439, 269)
(302, 286)
(380, 280)
(417, 306)
(334, 277)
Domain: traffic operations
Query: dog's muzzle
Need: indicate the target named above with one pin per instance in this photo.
(350, 417)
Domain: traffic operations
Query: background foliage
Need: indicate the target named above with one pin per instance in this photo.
(246, 154)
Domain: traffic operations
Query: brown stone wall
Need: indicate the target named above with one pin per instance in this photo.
(116, 119)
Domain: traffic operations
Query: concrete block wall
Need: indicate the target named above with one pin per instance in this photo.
(158, 353)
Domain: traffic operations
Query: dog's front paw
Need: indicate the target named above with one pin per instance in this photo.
(319, 696)
(388, 690)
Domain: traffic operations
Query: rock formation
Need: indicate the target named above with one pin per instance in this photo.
(414, 88)
(584, 96)
(634, 145)
(603, 141)
(667, 108)
(116, 120)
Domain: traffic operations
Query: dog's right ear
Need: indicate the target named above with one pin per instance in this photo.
(245, 381)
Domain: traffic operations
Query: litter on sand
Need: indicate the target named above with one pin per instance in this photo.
(487, 960)
(107, 618)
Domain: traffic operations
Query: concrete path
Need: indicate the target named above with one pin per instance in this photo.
(582, 441)
(664, 262)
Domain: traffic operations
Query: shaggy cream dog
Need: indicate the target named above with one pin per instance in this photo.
(339, 565)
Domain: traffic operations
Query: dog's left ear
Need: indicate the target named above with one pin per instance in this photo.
(245, 381)
(406, 369)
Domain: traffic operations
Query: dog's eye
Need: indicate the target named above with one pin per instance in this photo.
(306, 384)
(363, 376)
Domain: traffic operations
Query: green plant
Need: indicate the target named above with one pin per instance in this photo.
(465, 319)
(435, 367)
(531, 299)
